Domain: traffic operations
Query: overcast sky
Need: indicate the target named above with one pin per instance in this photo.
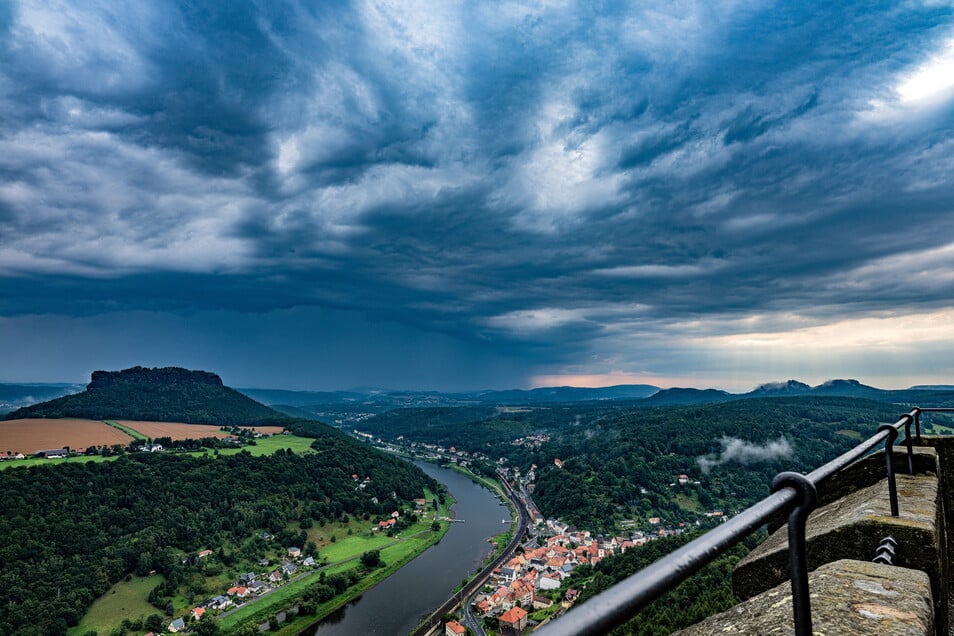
(322, 195)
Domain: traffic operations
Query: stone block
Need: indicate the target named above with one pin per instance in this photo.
(848, 598)
(851, 528)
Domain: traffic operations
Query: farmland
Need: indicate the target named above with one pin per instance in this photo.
(30, 435)
(179, 430)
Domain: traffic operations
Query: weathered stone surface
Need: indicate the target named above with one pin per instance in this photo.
(851, 528)
(869, 471)
(848, 597)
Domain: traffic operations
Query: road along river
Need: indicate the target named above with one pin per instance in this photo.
(396, 605)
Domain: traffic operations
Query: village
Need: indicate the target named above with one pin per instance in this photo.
(249, 586)
(295, 563)
(531, 583)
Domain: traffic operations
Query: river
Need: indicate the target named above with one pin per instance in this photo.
(400, 602)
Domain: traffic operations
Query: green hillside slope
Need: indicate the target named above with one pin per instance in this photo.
(167, 394)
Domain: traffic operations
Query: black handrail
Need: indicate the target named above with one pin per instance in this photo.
(793, 494)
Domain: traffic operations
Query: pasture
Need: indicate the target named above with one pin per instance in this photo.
(179, 430)
(126, 599)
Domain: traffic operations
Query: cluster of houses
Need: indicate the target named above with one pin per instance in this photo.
(541, 568)
(531, 441)
(248, 585)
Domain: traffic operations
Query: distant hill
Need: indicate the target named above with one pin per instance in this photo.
(335, 404)
(779, 389)
(793, 388)
(682, 396)
(568, 394)
(374, 400)
(168, 394)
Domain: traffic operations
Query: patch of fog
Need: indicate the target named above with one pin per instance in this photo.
(742, 452)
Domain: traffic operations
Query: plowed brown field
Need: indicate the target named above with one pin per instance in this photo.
(30, 435)
(177, 430)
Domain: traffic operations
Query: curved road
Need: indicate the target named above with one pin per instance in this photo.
(463, 596)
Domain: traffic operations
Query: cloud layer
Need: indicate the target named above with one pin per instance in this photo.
(592, 191)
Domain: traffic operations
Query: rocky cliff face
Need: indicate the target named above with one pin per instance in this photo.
(142, 375)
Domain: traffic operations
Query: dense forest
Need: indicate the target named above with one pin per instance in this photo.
(626, 466)
(621, 461)
(166, 394)
(68, 532)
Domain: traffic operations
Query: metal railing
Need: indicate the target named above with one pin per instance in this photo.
(793, 494)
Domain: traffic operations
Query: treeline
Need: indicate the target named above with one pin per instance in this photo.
(71, 531)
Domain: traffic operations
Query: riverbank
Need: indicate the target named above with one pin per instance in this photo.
(500, 540)
(282, 603)
(504, 544)
(399, 603)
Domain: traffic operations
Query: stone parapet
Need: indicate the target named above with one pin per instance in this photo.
(851, 528)
(848, 598)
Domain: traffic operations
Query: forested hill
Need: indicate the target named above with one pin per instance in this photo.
(624, 465)
(619, 461)
(68, 532)
(167, 394)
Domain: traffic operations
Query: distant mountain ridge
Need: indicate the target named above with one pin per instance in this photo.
(15, 395)
(834, 388)
(376, 400)
(404, 399)
(167, 394)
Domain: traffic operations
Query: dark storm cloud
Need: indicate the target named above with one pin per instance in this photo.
(549, 179)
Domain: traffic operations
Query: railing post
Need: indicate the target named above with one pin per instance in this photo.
(917, 422)
(889, 465)
(907, 442)
(807, 500)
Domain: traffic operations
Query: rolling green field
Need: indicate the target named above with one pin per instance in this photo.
(265, 446)
(268, 445)
(123, 600)
(343, 555)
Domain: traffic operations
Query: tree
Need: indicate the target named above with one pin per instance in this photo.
(371, 559)
(154, 623)
(207, 627)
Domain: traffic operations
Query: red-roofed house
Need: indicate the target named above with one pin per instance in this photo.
(198, 612)
(453, 628)
(513, 621)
